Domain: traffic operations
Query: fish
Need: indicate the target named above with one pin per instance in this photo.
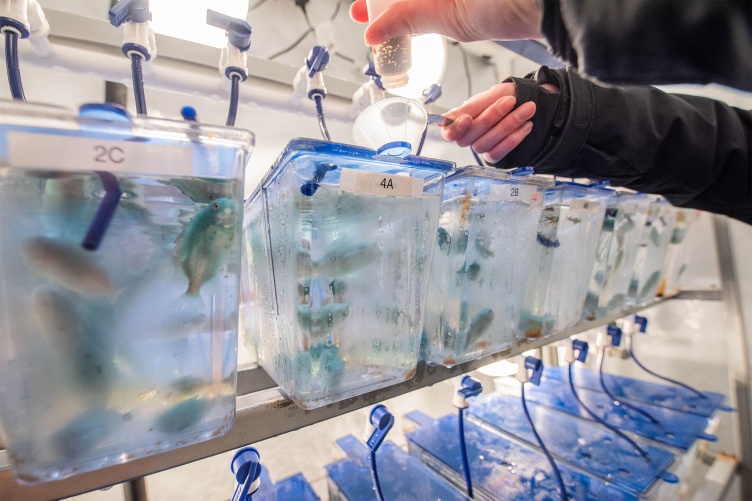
(328, 316)
(58, 317)
(547, 242)
(482, 245)
(650, 284)
(86, 431)
(92, 367)
(348, 257)
(655, 236)
(67, 265)
(677, 236)
(473, 271)
(203, 191)
(207, 241)
(181, 416)
(478, 326)
(331, 364)
(444, 240)
(609, 221)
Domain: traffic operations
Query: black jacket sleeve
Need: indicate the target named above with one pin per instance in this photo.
(654, 41)
(695, 151)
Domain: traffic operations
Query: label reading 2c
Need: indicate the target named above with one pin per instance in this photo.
(111, 155)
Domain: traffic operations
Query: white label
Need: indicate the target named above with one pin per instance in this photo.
(589, 206)
(373, 183)
(71, 153)
(514, 193)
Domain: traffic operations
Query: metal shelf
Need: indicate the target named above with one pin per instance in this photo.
(263, 411)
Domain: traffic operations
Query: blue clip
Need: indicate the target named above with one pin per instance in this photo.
(432, 94)
(522, 171)
(246, 466)
(642, 322)
(382, 421)
(317, 60)
(370, 71)
(535, 365)
(581, 347)
(614, 332)
(238, 30)
(136, 11)
(470, 387)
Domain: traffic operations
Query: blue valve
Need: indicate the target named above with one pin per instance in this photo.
(581, 347)
(642, 322)
(432, 94)
(382, 421)
(238, 30)
(370, 71)
(317, 60)
(246, 466)
(614, 332)
(470, 387)
(189, 113)
(136, 11)
(535, 365)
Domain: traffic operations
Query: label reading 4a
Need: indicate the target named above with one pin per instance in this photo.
(514, 193)
(373, 183)
(387, 184)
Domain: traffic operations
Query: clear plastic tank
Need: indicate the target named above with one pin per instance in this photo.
(651, 255)
(128, 349)
(483, 253)
(678, 253)
(616, 254)
(562, 259)
(339, 243)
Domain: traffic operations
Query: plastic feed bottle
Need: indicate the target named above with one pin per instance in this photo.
(392, 58)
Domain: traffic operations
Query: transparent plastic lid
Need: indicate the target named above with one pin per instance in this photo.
(676, 429)
(106, 137)
(512, 176)
(671, 397)
(501, 467)
(329, 159)
(584, 444)
(401, 476)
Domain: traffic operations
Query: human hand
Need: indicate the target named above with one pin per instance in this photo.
(487, 123)
(461, 20)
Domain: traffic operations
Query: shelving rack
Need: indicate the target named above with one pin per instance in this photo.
(263, 411)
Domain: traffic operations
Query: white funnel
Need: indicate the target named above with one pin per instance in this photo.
(391, 122)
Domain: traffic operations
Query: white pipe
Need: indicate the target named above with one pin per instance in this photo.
(175, 76)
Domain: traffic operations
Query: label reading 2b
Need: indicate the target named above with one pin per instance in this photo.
(524, 193)
(373, 183)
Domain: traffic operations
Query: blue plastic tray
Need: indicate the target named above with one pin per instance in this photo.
(671, 397)
(674, 428)
(402, 476)
(502, 468)
(584, 444)
(295, 487)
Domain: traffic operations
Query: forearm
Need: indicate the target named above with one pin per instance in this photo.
(654, 41)
(694, 151)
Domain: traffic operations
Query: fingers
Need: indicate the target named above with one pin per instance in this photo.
(509, 143)
(359, 11)
(500, 129)
(406, 17)
(486, 121)
(481, 102)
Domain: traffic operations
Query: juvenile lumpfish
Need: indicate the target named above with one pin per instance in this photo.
(66, 265)
(182, 416)
(208, 239)
(86, 431)
(57, 316)
(478, 326)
